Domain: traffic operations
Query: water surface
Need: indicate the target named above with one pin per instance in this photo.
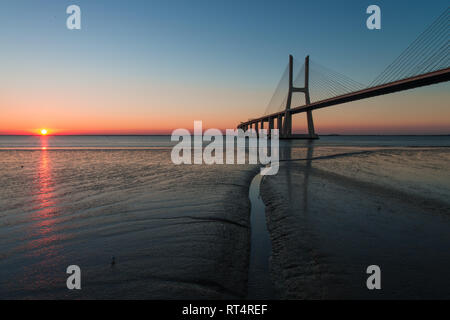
(181, 232)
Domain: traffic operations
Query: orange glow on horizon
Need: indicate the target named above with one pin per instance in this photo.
(422, 111)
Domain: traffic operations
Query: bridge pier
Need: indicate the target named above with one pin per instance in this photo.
(280, 124)
(271, 122)
(287, 128)
(288, 125)
(285, 125)
(284, 120)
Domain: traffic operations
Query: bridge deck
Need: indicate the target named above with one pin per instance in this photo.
(396, 86)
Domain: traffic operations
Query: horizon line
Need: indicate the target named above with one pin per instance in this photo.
(164, 135)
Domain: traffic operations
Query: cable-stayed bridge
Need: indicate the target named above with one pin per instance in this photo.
(313, 86)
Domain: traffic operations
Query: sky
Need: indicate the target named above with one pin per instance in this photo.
(149, 67)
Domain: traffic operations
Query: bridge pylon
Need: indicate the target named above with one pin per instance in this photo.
(286, 130)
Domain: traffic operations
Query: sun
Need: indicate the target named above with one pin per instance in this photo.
(44, 132)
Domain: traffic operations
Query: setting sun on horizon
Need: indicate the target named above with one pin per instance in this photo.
(43, 132)
(162, 79)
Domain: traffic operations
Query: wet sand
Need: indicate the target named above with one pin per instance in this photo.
(176, 232)
(332, 217)
(184, 232)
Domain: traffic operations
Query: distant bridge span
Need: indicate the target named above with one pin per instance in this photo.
(396, 86)
(425, 61)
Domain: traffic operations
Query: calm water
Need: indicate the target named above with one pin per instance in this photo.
(175, 231)
(111, 142)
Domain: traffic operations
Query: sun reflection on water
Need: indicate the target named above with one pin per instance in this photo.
(43, 235)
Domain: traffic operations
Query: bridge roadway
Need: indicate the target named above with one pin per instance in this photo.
(396, 86)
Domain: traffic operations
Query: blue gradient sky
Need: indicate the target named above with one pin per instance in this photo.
(151, 66)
